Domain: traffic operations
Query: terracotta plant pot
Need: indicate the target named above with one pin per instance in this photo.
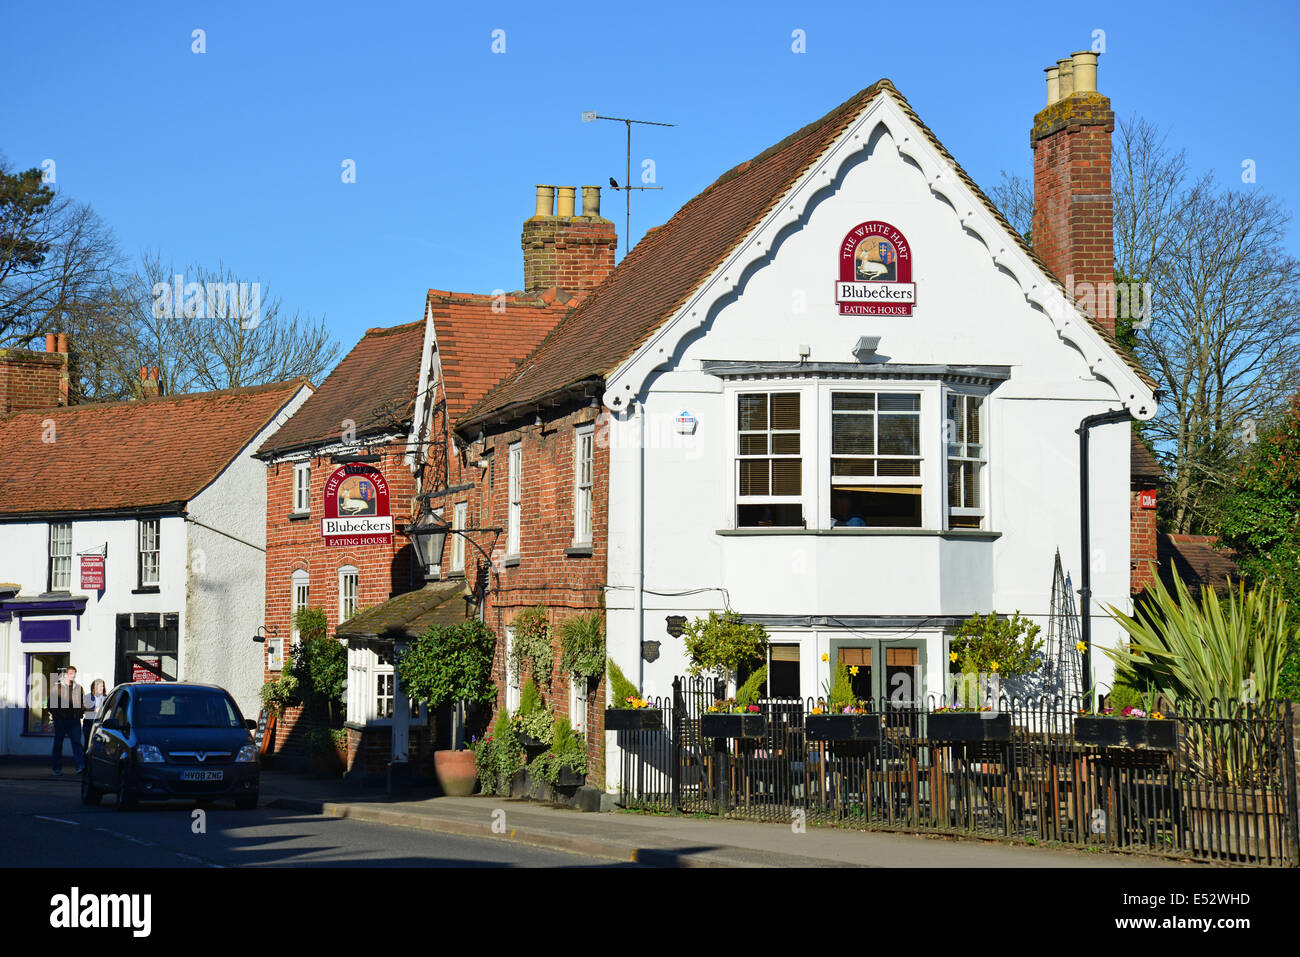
(457, 772)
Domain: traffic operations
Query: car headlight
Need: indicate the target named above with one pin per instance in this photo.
(149, 754)
(247, 754)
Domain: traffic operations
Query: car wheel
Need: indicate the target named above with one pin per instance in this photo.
(89, 793)
(246, 803)
(126, 798)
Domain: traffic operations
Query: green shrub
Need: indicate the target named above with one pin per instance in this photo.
(839, 692)
(450, 663)
(620, 689)
(582, 645)
(533, 719)
(324, 740)
(319, 665)
(568, 750)
(722, 643)
(752, 689)
(986, 644)
(281, 691)
(498, 756)
(532, 645)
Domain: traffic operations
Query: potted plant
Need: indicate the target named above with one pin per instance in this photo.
(534, 724)
(627, 710)
(1133, 729)
(722, 643)
(450, 664)
(968, 724)
(498, 757)
(564, 764)
(839, 715)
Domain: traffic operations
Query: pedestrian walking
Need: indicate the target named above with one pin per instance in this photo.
(93, 702)
(67, 705)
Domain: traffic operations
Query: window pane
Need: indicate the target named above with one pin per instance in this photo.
(753, 477)
(753, 444)
(853, 434)
(955, 426)
(853, 467)
(970, 475)
(954, 485)
(895, 402)
(787, 477)
(785, 443)
(853, 401)
(753, 411)
(785, 410)
(900, 434)
(973, 405)
(898, 467)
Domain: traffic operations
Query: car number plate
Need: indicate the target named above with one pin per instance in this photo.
(202, 775)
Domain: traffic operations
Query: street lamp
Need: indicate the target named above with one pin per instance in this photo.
(428, 535)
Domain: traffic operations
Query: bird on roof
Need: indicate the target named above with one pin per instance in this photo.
(613, 182)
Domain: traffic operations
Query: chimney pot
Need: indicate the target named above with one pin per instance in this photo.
(567, 195)
(1066, 74)
(61, 340)
(49, 342)
(1085, 71)
(1053, 84)
(591, 200)
(545, 201)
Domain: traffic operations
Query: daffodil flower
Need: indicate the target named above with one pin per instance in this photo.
(994, 666)
(853, 670)
(952, 656)
(825, 657)
(1082, 646)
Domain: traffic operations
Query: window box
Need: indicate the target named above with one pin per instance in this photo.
(968, 726)
(721, 725)
(1133, 734)
(634, 719)
(842, 727)
(570, 778)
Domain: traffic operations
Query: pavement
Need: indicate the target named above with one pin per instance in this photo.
(651, 839)
(672, 840)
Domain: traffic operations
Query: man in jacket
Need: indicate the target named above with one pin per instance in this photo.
(66, 705)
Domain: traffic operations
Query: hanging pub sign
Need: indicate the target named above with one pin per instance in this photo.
(875, 272)
(356, 507)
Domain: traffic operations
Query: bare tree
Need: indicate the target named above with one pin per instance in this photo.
(1221, 329)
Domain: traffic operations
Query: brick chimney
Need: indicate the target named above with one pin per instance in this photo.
(1073, 210)
(34, 380)
(149, 386)
(566, 250)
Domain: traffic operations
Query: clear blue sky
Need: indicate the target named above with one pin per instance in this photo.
(236, 154)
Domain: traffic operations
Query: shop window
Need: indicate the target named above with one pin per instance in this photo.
(44, 669)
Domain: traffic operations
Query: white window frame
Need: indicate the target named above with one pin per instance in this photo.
(366, 677)
(349, 591)
(805, 497)
(149, 544)
(960, 452)
(512, 679)
(827, 451)
(299, 597)
(515, 492)
(584, 482)
(60, 556)
(578, 695)
(302, 488)
(459, 517)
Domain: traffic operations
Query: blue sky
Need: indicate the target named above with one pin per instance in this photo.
(236, 154)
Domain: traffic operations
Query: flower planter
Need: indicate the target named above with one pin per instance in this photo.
(528, 741)
(842, 727)
(1133, 734)
(457, 772)
(719, 725)
(968, 726)
(571, 779)
(634, 719)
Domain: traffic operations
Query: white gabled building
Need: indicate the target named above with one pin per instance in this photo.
(846, 399)
(132, 543)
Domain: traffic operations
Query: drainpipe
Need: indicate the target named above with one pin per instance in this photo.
(639, 575)
(1085, 590)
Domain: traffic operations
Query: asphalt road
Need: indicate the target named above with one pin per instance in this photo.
(44, 824)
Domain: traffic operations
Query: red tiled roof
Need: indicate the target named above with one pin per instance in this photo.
(1196, 560)
(117, 455)
(671, 261)
(374, 387)
(1142, 464)
(478, 346)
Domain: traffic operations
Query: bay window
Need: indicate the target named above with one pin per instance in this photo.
(875, 460)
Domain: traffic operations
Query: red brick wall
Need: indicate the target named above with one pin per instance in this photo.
(1073, 210)
(296, 543)
(32, 380)
(545, 575)
(574, 254)
(1142, 544)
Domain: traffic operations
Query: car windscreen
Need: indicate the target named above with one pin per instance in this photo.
(185, 708)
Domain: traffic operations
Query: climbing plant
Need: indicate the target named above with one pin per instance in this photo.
(532, 644)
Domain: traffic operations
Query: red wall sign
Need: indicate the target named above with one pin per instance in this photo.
(1147, 499)
(356, 508)
(92, 572)
(875, 272)
(141, 670)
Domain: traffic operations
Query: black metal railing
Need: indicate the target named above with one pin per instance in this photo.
(1223, 789)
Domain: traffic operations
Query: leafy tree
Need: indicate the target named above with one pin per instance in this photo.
(450, 663)
(991, 644)
(319, 664)
(722, 643)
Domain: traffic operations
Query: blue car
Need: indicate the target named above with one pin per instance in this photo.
(171, 740)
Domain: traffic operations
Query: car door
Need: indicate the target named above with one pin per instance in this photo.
(97, 747)
(117, 739)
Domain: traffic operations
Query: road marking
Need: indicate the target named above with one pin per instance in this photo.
(126, 837)
(197, 860)
(56, 820)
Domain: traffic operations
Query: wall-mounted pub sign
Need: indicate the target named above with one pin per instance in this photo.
(356, 507)
(875, 272)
